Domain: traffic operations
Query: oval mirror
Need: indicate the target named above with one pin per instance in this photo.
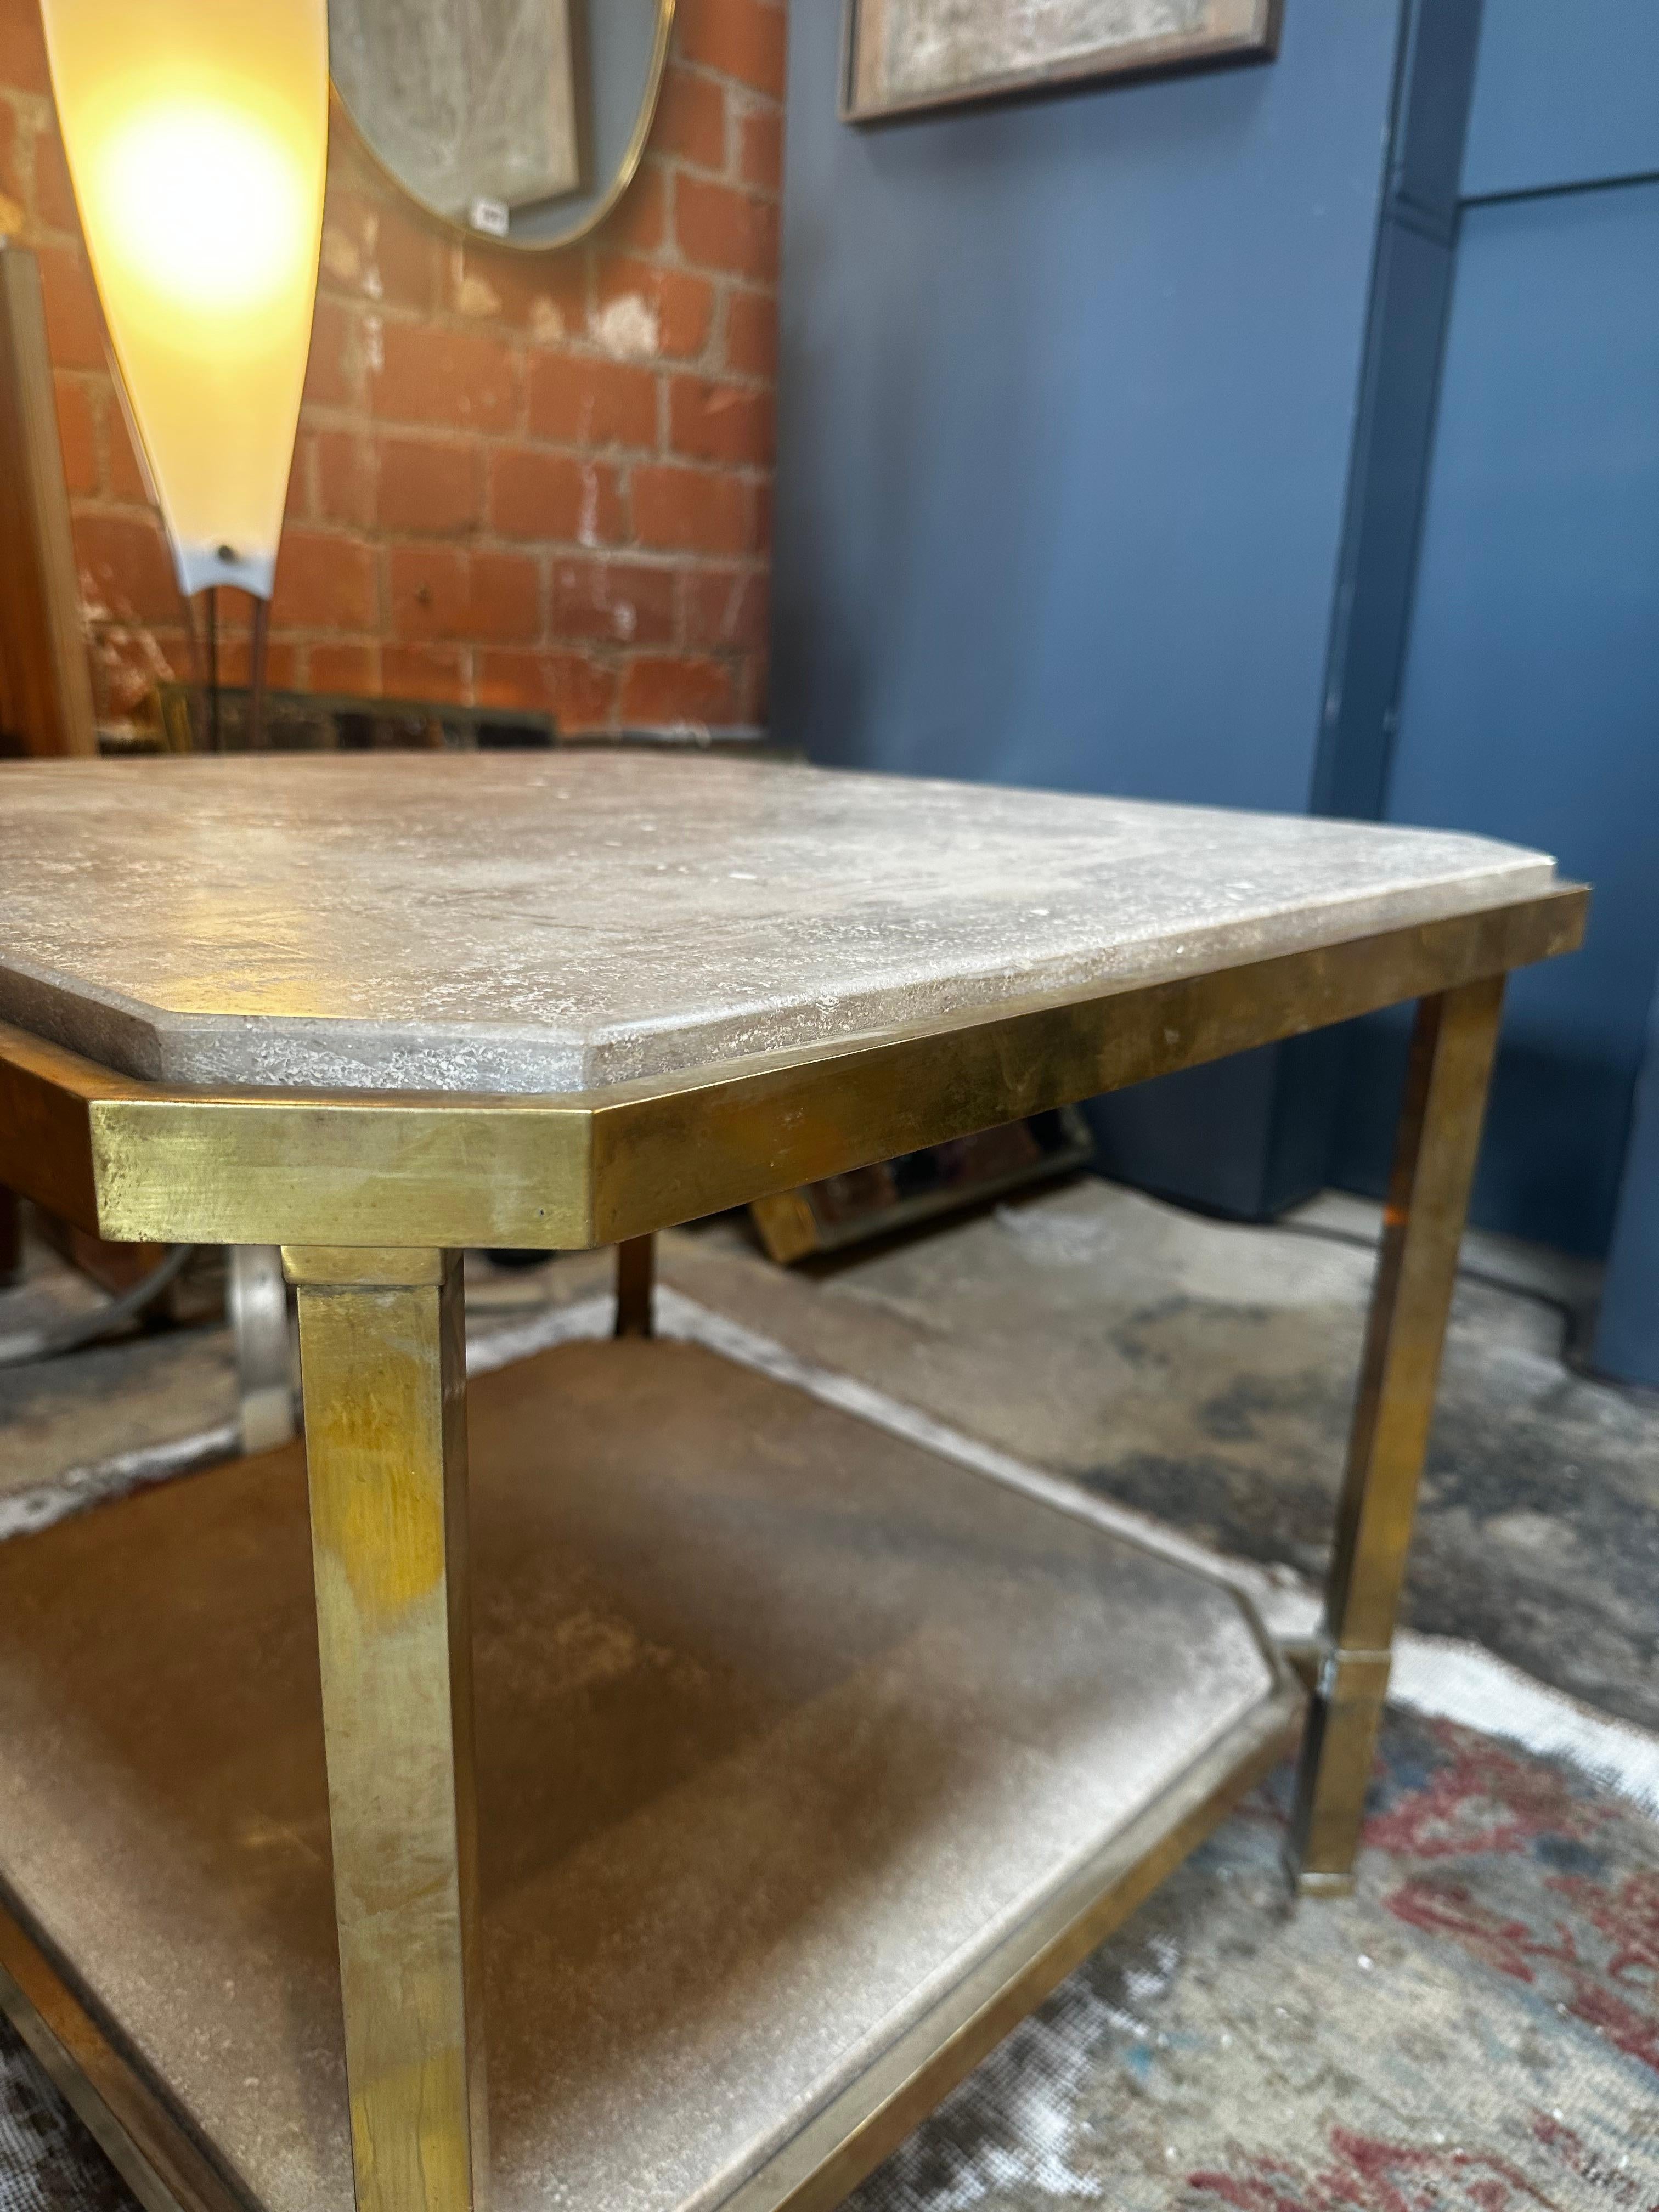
(521, 121)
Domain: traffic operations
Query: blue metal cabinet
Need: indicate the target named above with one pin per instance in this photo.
(1530, 704)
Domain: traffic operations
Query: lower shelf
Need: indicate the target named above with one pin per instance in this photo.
(808, 1763)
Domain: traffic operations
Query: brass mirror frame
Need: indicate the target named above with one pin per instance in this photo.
(633, 153)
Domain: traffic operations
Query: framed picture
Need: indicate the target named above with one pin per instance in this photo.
(902, 57)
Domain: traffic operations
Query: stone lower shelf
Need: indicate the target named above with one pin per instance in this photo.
(808, 1762)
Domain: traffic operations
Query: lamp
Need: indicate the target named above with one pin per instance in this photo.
(196, 135)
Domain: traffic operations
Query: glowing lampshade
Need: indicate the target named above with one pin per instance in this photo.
(196, 132)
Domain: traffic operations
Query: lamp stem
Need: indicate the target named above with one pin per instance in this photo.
(256, 675)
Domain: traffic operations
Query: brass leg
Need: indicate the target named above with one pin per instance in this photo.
(1435, 1154)
(636, 1283)
(382, 1355)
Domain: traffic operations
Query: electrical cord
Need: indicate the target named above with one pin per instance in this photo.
(30, 1345)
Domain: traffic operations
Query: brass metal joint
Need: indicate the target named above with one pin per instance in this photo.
(344, 1266)
(1355, 1678)
(1311, 1884)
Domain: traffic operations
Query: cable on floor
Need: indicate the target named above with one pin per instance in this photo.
(49, 1343)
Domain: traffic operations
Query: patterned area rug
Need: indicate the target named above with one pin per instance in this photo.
(1476, 2031)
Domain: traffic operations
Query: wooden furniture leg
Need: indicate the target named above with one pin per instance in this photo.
(1439, 1137)
(636, 1287)
(382, 1352)
(11, 1237)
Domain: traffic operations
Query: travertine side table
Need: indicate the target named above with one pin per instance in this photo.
(807, 1762)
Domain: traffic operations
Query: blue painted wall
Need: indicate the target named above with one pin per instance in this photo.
(1068, 397)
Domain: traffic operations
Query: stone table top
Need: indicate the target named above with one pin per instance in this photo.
(555, 922)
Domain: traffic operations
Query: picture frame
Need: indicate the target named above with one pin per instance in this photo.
(907, 57)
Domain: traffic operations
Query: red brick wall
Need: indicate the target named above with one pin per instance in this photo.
(523, 480)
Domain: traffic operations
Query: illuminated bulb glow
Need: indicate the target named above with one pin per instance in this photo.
(196, 135)
(227, 251)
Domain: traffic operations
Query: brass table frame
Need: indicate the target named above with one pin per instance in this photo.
(374, 1196)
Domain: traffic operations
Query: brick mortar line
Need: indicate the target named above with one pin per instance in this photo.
(671, 160)
(711, 73)
(680, 642)
(588, 351)
(517, 342)
(447, 317)
(750, 382)
(359, 417)
(752, 475)
(624, 461)
(668, 161)
(754, 383)
(655, 260)
(475, 537)
(670, 559)
(580, 645)
(614, 653)
(701, 569)
(748, 475)
(174, 624)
